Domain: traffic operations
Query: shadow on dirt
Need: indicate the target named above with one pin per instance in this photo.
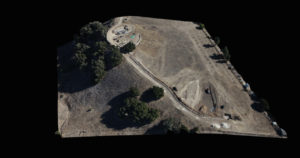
(74, 81)
(257, 107)
(217, 56)
(111, 118)
(69, 77)
(208, 45)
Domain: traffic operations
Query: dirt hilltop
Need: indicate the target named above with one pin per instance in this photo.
(169, 54)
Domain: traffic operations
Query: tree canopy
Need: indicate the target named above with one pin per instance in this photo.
(226, 53)
(137, 111)
(134, 92)
(92, 32)
(129, 47)
(157, 92)
(217, 40)
(265, 104)
(92, 51)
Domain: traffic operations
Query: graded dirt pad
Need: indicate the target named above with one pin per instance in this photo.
(175, 53)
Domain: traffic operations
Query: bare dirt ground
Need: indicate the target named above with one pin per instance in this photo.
(181, 60)
(172, 51)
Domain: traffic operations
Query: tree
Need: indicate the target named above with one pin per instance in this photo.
(137, 111)
(100, 48)
(157, 92)
(98, 68)
(129, 47)
(92, 32)
(194, 130)
(217, 40)
(201, 26)
(93, 52)
(184, 129)
(171, 125)
(113, 58)
(226, 53)
(134, 92)
(265, 104)
(80, 57)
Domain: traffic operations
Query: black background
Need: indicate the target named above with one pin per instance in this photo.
(258, 37)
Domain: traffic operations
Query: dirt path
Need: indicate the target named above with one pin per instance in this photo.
(177, 103)
(146, 73)
(109, 35)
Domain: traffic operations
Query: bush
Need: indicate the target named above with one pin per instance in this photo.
(157, 92)
(134, 92)
(129, 47)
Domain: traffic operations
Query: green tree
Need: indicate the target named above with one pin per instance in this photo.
(92, 32)
(137, 111)
(201, 26)
(265, 104)
(100, 48)
(129, 47)
(217, 40)
(134, 92)
(80, 57)
(157, 92)
(113, 58)
(194, 130)
(171, 125)
(226, 53)
(98, 68)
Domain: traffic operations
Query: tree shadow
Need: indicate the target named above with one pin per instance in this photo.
(74, 81)
(217, 56)
(69, 77)
(257, 107)
(147, 96)
(221, 61)
(208, 45)
(112, 119)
